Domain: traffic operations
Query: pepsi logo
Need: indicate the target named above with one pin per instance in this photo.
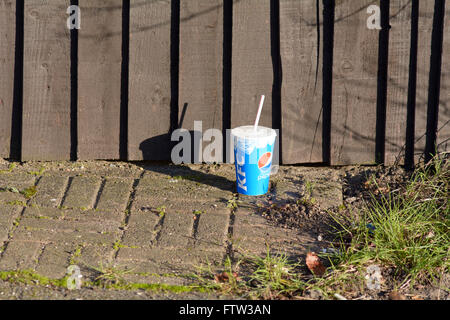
(265, 160)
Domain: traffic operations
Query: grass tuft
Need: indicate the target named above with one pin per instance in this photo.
(407, 231)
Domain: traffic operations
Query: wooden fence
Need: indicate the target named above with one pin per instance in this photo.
(339, 92)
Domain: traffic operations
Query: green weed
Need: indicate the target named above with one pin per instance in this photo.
(18, 203)
(11, 167)
(161, 211)
(37, 173)
(110, 275)
(407, 231)
(29, 192)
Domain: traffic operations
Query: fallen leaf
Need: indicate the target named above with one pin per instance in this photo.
(416, 298)
(221, 277)
(395, 295)
(429, 235)
(314, 264)
(224, 277)
(384, 189)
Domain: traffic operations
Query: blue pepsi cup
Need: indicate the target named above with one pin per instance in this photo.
(253, 154)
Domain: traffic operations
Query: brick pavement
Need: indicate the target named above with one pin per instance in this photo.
(110, 216)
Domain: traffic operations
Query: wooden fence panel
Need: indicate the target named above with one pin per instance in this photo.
(443, 134)
(46, 81)
(252, 71)
(7, 44)
(201, 54)
(149, 81)
(99, 79)
(398, 77)
(35, 114)
(302, 80)
(355, 70)
(426, 11)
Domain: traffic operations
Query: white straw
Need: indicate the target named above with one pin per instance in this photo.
(259, 113)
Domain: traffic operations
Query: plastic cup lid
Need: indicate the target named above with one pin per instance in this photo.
(247, 132)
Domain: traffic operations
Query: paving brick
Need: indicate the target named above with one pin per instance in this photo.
(222, 178)
(141, 229)
(325, 185)
(8, 214)
(212, 231)
(27, 233)
(50, 191)
(94, 257)
(54, 260)
(20, 255)
(179, 205)
(97, 226)
(286, 191)
(19, 181)
(115, 194)
(7, 198)
(182, 188)
(250, 233)
(158, 260)
(98, 239)
(146, 277)
(33, 234)
(95, 215)
(253, 235)
(4, 232)
(82, 192)
(155, 267)
(328, 194)
(43, 213)
(176, 229)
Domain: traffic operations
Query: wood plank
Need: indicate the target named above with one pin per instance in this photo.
(99, 79)
(46, 81)
(201, 52)
(302, 81)
(398, 77)
(149, 81)
(354, 85)
(443, 134)
(252, 71)
(426, 11)
(7, 42)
